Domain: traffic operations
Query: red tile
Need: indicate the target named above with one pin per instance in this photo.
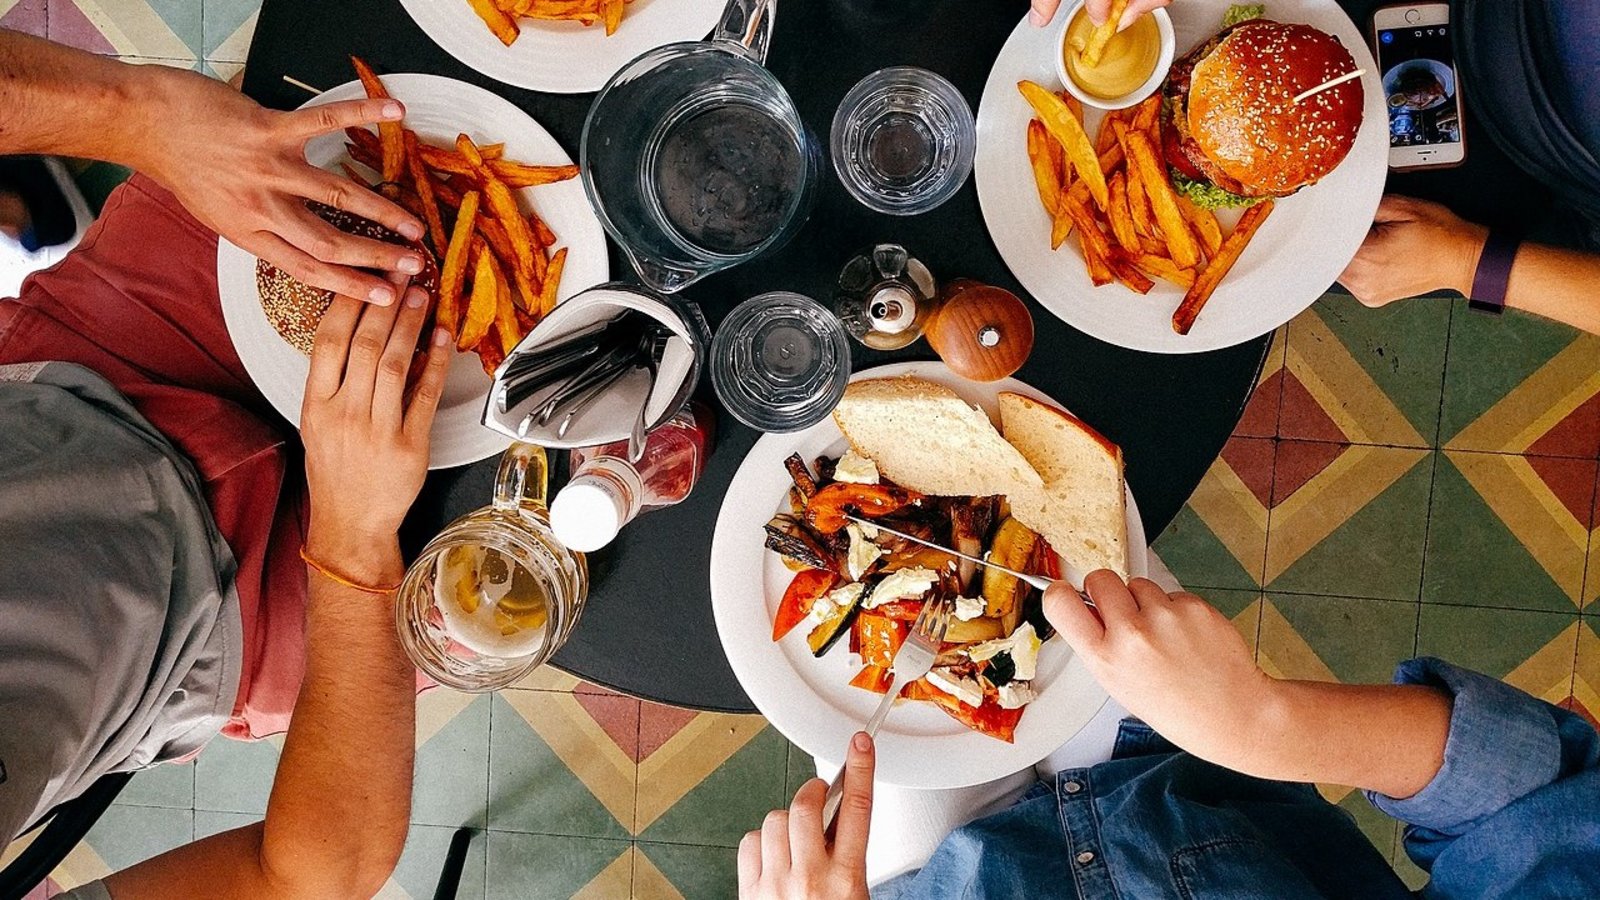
(1251, 459)
(1576, 435)
(1573, 483)
(28, 17)
(618, 716)
(1298, 462)
(1301, 416)
(1260, 417)
(658, 723)
(68, 25)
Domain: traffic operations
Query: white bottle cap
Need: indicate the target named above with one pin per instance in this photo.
(587, 514)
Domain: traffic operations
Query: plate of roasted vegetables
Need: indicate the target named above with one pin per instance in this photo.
(811, 605)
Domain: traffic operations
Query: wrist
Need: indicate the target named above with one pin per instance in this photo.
(1468, 250)
(362, 556)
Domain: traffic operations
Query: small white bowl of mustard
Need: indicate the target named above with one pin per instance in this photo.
(1133, 66)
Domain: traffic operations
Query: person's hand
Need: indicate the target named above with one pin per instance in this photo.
(366, 439)
(1171, 660)
(241, 170)
(1414, 247)
(790, 857)
(1045, 10)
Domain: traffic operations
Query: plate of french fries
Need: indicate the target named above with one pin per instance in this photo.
(561, 46)
(506, 221)
(1081, 207)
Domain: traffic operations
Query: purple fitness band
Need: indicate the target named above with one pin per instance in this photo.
(1494, 272)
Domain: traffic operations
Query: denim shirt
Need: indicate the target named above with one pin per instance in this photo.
(1513, 813)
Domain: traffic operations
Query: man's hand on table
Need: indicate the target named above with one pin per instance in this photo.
(1414, 247)
(366, 435)
(790, 858)
(241, 170)
(1045, 10)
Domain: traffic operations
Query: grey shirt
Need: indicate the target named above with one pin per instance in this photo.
(119, 624)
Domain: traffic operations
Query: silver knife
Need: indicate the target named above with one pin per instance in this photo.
(1031, 580)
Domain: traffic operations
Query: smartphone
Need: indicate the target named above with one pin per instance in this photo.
(1421, 85)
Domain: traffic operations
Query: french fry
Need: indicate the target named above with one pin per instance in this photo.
(1165, 269)
(481, 304)
(541, 249)
(1154, 246)
(1147, 114)
(1045, 177)
(1066, 128)
(514, 174)
(1060, 226)
(355, 176)
(1106, 137)
(1163, 200)
(503, 26)
(1073, 103)
(1205, 225)
(546, 236)
(390, 141)
(1103, 33)
(611, 14)
(552, 283)
(1123, 268)
(454, 270)
(1144, 221)
(1205, 284)
(505, 320)
(422, 183)
(1096, 249)
(503, 204)
(1121, 219)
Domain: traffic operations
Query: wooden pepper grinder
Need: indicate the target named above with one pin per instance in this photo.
(983, 333)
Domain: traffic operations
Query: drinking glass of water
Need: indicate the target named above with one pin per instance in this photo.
(780, 362)
(903, 140)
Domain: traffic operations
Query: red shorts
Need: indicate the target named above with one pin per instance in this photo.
(137, 303)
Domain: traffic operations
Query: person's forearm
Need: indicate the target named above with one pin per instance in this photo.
(1384, 738)
(66, 102)
(1558, 284)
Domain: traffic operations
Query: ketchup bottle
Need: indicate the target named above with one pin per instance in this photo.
(607, 492)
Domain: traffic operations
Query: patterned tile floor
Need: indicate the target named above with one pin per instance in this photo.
(1410, 480)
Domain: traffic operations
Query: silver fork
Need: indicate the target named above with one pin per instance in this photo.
(912, 661)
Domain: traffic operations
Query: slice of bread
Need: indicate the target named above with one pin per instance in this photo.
(923, 436)
(1082, 509)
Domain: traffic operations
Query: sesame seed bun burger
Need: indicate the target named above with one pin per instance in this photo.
(1232, 134)
(295, 308)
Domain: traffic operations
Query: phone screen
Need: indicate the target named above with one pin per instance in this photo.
(1419, 83)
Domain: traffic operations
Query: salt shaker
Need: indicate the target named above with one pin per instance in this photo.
(885, 296)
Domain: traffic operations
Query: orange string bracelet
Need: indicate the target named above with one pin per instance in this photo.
(336, 578)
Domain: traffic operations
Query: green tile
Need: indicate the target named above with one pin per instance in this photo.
(1475, 558)
(1409, 872)
(697, 872)
(1359, 640)
(522, 866)
(1379, 828)
(1243, 607)
(169, 784)
(423, 862)
(1400, 346)
(125, 835)
(98, 179)
(532, 790)
(207, 823)
(235, 776)
(731, 800)
(222, 19)
(1492, 641)
(452, 780)
(1490, 355)
(1377, 552)
(1199, 560)
(801, 769)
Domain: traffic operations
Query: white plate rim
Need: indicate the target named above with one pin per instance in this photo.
(1325, 222)
(562, 57)
(955, 757)
(459, 437)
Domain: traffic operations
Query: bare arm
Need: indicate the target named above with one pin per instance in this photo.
(337, 818)
(1179, 665)
(1416, 247)
(238, 167)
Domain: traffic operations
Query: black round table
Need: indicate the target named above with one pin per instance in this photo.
(648, 628)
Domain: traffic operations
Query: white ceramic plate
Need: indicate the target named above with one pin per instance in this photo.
(810, 700)
(562, 57)
(437, 109)
(1294, 258)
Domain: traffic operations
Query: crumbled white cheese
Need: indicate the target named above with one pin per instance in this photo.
(1016, 694)
(906, 584)
(863, 552)
(1023, 645)
(853, 468)
(868, 530)
(969, 608)
(965, 689)
(830, 603)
